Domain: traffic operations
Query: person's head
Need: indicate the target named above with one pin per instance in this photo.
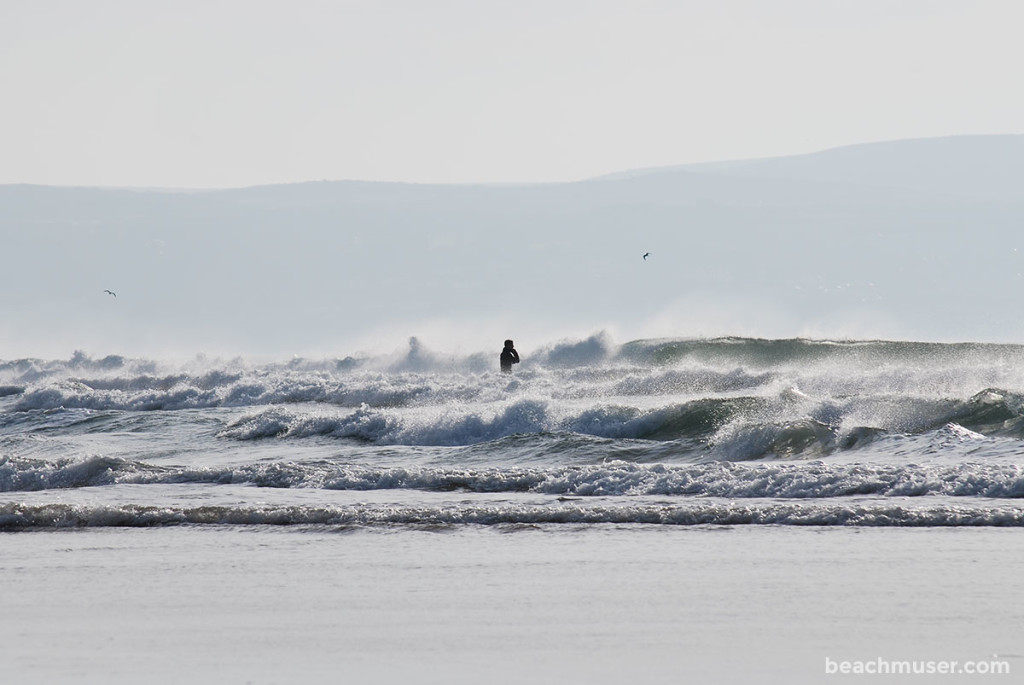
(508, 343)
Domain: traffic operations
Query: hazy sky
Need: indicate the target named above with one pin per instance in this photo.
(224, 93)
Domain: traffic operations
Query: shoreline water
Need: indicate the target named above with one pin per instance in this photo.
(504, 604)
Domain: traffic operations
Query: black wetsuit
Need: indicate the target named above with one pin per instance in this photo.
(509, 356)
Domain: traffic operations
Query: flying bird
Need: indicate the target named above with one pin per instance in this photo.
(110, 292)
(645, 255)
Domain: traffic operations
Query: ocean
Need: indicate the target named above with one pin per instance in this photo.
(708, 510)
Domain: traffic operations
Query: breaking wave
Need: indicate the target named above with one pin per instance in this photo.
(735, 398)
(803, 480)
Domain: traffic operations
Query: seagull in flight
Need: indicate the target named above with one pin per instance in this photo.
(110, 292)
(646, 255)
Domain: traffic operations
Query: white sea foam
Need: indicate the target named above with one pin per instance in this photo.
(19, 517)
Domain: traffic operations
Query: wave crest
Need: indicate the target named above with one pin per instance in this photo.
(26, 517)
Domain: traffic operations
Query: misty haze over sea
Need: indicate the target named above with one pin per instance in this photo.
(914, 239)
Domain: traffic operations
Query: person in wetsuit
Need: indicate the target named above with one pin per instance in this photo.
(509, 356)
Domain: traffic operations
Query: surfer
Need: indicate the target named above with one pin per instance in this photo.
(509, 356)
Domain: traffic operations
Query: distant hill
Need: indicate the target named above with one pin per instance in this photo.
(990, 166)
(986, 167)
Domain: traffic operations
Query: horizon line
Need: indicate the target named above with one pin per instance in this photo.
(613, 175)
